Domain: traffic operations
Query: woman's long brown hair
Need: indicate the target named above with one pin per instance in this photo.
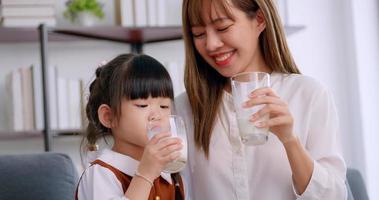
(204, 84)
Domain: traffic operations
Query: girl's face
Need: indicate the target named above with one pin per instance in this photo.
(132, 125)
(230, 46)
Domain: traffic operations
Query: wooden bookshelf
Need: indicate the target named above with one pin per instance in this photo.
(125, 35)
(20, 35)
(16, 135)
(13, 135)
(109, 33)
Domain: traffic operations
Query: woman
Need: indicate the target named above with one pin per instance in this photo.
(302, 158)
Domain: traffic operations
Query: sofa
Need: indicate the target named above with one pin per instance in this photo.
(44, 176)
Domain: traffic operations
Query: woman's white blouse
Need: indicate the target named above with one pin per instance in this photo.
(236, 171)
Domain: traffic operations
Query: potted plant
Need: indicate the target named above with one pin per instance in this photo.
(83, 12)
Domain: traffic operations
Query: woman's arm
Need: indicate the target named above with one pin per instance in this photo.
(318, 168)
(301, 164)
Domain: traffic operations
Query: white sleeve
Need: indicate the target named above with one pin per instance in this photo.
(99, 183)
(186, 181)
(324, 146)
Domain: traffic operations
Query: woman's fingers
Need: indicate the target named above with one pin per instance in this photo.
(263, 100)
(263, 92)
(271, 109)
(276, 121)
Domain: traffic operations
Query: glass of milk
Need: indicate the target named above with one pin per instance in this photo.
(242, 85)
(175, 125)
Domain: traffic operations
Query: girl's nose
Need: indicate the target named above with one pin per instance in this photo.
(154, 116)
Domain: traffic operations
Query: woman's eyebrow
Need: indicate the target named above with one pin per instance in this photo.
(219, 19)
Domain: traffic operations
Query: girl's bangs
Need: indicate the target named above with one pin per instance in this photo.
(147, 77)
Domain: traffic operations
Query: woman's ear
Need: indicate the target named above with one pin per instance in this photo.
(261, 20)
(105, 116)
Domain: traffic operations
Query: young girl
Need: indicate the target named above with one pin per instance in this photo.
(129, 91)
(302, 158)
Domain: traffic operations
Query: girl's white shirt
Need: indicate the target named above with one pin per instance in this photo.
(236, 171)
(99, 183)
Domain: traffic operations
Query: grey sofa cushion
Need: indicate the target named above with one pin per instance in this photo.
(45, 176)
(356, 184)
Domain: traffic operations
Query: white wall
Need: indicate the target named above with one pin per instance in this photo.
(322, 51)
(340, 47)
(366, 42)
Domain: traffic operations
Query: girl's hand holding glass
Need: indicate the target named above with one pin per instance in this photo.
(175, 125)
(161, 150)
(280, 121)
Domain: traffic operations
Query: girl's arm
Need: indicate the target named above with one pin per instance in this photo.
(138, 188)
(155, 157)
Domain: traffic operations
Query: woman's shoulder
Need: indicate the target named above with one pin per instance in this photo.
(182, 102)
(297, 82)
(182, 98)
(183, 107)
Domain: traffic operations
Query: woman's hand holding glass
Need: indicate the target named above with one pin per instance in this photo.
(160, 150)
(280, 122)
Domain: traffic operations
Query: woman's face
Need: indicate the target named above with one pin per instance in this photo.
(229, 45)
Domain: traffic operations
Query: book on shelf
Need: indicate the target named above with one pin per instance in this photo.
(38, 98)
(52, 78)
(83, 103)
(152, 12)
(63, 109)
(140, 13)
(27, 2)
(27, 11)
(74, 103)
(27, 98)
(69, 101)
(20, 100)
(27, 21)
(124, 13)
(14, 101)
(161, 12)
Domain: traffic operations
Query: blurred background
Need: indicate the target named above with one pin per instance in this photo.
(336, 42)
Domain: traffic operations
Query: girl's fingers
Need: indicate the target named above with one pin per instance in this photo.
(263, 100)
(274, 122)
(172, 157)
(155, 139)
(170, 149)
(167, 142)
(271, 109)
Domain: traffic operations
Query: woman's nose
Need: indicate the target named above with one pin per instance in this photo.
(213, 41)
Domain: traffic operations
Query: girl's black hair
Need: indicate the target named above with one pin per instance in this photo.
(128, 76)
